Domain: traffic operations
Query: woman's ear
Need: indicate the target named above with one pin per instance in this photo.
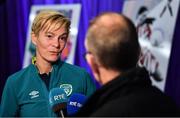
(33, 38)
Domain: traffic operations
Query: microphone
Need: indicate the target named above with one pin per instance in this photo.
(58, 100)
(76, 101)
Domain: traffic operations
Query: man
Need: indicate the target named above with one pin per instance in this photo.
(112, 52)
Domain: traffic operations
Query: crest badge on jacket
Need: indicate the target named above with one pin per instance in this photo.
(67, 88)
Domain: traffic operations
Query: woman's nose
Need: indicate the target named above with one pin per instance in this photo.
(56, 43)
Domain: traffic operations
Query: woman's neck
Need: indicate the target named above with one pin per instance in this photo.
(43, 67)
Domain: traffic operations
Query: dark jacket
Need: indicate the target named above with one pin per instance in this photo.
(130, 94)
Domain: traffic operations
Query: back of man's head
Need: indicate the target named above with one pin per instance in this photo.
(113, 39)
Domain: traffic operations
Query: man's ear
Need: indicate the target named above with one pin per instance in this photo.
(33, 38)
(93, 65)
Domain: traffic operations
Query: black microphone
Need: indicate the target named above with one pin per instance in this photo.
(58, 100)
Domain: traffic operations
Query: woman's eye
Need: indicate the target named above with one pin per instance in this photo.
(63, 38)
(49, 36)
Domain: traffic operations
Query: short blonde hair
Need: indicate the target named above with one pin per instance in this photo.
(49, 20)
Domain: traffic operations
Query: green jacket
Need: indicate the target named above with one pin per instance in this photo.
(25, 94)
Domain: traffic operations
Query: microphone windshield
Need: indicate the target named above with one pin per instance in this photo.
(58, 99)
(76, 101)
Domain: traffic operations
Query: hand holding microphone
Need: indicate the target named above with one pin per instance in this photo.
(58, 100)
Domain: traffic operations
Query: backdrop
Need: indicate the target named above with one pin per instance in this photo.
(14, 16)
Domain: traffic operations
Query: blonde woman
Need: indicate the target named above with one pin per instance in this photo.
(26, 92)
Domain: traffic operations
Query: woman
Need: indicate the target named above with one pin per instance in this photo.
(26, 92)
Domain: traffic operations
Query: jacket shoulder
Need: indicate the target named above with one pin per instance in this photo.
(138, 105)
(72, 68)
(19, 75)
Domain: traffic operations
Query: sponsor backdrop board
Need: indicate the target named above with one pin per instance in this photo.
(155, 22)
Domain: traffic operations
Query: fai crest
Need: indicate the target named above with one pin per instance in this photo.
(67, 88)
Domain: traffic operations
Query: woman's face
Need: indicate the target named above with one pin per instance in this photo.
(49, 44)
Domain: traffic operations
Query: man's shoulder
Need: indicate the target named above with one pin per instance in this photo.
(145, 104)
(129, 107)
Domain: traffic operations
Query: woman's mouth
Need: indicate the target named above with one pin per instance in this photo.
(54, 53)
